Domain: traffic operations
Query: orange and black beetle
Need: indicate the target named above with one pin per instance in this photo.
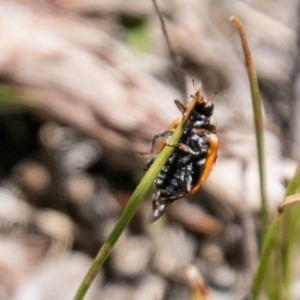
(193, 157)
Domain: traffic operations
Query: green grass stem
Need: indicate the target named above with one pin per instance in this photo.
(258, 121)
(278, 251)
(280, 238)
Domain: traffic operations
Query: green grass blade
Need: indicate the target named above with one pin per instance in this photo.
(279, 240)
(290, 228)
(268, 245)
(275, 270)
(258, 121)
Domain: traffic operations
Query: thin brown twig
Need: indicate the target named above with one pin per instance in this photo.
(179, 72)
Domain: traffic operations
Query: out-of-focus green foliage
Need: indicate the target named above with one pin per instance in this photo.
(136, 36)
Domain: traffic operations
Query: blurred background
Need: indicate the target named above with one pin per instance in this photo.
(84, 86)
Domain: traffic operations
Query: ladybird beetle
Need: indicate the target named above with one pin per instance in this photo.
(192, 159)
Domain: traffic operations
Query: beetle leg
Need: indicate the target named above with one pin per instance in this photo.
(180, 106)
(164, 134)
(183, 148)
(149, 163)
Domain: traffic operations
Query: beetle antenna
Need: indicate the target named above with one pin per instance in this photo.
(179, 73)
(212, 97)
(197, 87)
